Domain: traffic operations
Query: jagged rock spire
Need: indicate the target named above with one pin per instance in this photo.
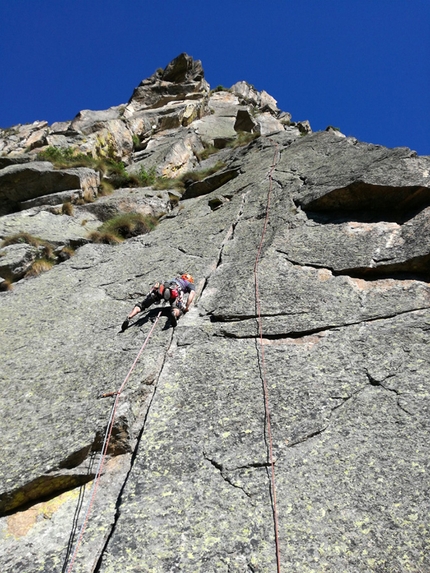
(183, 69)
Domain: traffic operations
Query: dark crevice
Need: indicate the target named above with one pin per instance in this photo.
(368, 203)
(415, 268)
(230, 233)
(41, 489)
(231, 318)
(254, 465)
(283, 336)
(312, 331)
(75, 459)
(374, 382)
(73, 472)
(210, 183)
(228, 480)
(307, 437)
(344, 399)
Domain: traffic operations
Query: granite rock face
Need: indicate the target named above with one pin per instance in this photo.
(344, 294)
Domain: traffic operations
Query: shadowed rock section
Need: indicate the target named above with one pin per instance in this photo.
(361, 201)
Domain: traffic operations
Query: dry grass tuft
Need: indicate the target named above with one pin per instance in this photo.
(67, 209)
(39, 266)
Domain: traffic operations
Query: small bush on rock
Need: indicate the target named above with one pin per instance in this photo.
(124, 226)
(67, 209)
(48, 249)
(40, 266)
(199, 175)
(168, 183)
(104, 238)
(112, 172)
(5, 285)
(220, 88)
(243, 138)
(207, 152)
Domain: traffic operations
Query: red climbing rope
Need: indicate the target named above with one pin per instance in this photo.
(263, 365)
(105, 447)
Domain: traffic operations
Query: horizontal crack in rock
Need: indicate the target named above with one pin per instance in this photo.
(416, 268)
(74, 471)
(311, 331)
(365, 202)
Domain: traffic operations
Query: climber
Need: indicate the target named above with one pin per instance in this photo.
(172, 291)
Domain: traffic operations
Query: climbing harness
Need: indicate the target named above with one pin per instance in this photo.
(263, 365)
(105, 446)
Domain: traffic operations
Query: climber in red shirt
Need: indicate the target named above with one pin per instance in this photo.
(172, 291)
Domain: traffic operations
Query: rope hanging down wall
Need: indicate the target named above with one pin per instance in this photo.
(268, 430)
(262, 360)
(105, 447)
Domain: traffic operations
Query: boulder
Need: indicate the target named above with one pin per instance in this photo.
(210, 183)
(248, 94)
(26, 181)
(266, 124)
(171, 153)
(142, 200)
(15, 260)
(88, 121)
(20, 138)
(71, 196)
(58, 229)
(212, 127)
(183, 69)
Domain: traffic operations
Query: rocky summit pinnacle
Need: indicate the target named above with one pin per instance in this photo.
(310, 254)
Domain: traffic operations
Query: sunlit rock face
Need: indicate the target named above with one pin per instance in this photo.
(341, 231)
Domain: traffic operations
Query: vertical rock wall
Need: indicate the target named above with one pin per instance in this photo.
(345, 297)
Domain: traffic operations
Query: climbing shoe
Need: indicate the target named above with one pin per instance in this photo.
(125, 324)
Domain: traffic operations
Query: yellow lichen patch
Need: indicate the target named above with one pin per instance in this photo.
(20, 523)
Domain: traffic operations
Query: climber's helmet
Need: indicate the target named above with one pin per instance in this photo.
(187, 277)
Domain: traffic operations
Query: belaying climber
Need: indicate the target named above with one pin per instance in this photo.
(172, 291)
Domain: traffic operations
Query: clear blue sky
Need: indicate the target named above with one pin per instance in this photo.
(360, 65)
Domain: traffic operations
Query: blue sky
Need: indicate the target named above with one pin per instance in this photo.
(360, 65)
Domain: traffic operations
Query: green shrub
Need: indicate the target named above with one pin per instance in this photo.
(105, 238)
(136, 141)
(48, 249)
(64, 157)
(220, 88)
(146, 178)
(242, 139)
(106, 188)
(199, 175)
(207, 152)
(123, 226)
(168, 183)
(111, 171)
